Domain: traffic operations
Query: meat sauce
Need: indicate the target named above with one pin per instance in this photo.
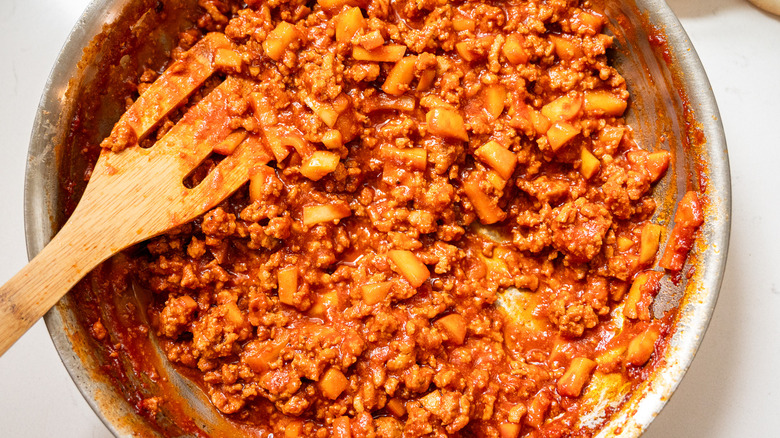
(451, 236)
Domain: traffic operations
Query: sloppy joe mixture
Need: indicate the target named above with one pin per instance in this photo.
(450, 232)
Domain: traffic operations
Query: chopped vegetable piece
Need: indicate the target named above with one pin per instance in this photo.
(496, 180)
(426, 79)
(610, 136)
(288, 284)
(319, 164)
(559, 352)
(640, 296)
(416, 158)
(298, 142)
(432, 400)
(590, 164)
(687, 220)
(400, 76)
(316, 214)
(279, 39)
(341, 428)
(333, 383)
(540, 123)
(604, 102)
(656, 164)
(591, 21)
(293, 429)
(576, 376)
(454, 326)
(371, 40)
(651, 237)
(279, 150)
(689, 213)
(498, 157)
(560, 133)
(486, 207)
(409, 266)
(566, 48)
(446, 123)
(334, 5)
(609, 360)
(348, 23)
(381, 101)
(230, 143)
(563, 108)
(387, 53)
(495, 100)
(374, 293)
(513, 49)
(233, 314)
(347, 124)
(322, 303)
(508, 430)
(396, 407)
(324, 111)
(332, 139)
(538, 408)
(259, 355)
(624, 243)
(641, 347)
(462, 23)
(228, 58)
(466, 50)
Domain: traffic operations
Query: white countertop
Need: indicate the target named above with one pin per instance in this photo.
(731, 390)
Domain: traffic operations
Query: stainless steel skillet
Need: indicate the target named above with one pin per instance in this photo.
(672, 107)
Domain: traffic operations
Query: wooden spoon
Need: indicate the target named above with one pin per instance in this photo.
(135, 193)
(772, 6)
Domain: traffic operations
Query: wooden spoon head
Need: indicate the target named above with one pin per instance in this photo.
(142, 190)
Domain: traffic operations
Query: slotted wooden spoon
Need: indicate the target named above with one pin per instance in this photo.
(135, 193)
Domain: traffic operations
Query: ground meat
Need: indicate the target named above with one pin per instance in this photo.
(449, 212)
(176, 314)
(579, 227)
(98, 330)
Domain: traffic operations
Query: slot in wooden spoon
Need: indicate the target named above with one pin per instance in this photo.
(136, 193)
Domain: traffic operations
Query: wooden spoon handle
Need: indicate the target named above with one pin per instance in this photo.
(29, 294)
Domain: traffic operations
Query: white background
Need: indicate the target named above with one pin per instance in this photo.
(731, 390)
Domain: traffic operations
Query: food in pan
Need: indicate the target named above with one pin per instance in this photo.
(450, 231)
